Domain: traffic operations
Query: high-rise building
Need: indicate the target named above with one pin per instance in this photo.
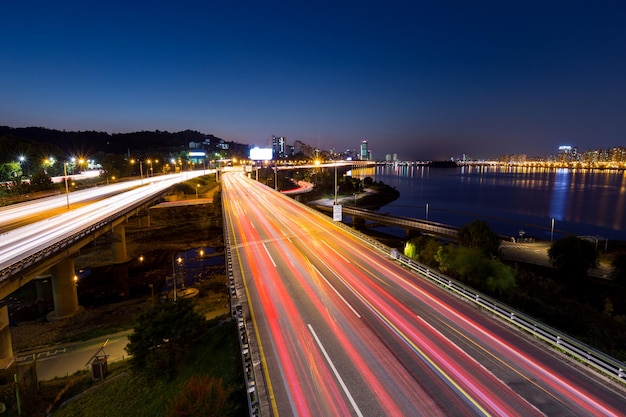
(278, 147)
(565, 153)
(364, 151)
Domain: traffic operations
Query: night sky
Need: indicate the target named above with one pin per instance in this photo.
(425, 80)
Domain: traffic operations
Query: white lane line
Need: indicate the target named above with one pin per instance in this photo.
(471, 358)
(268, 254)
(332, 366)
(337, 292)
(336, 253)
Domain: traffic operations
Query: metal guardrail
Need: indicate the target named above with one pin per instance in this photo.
(254, 408)
(63, 243)
(590, 356)
(595, 359)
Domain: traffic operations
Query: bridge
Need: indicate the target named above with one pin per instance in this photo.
(48, 247)
(359, 216)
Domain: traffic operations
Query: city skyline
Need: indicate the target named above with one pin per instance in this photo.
(422, 81)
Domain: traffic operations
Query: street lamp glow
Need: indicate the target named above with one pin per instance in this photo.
(67, 191)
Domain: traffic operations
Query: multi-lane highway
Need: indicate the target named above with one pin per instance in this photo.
(343, 330)
(18, 243)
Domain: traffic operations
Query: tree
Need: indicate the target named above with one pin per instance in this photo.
(41, 181)
(163, 335)
(423, 249)
(572, 257)
(478, 269)
(477, 234)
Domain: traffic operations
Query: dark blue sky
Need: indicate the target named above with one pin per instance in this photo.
(425, 80)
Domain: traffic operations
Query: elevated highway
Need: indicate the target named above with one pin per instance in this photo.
(49, 246)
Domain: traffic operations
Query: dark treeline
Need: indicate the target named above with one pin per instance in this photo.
(90, 142)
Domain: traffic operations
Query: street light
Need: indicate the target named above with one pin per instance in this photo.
(67, 191)
(174, 273)
(197, 185)
(132, 161)
(336, 188)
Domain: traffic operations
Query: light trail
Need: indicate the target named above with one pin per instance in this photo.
(398, 344)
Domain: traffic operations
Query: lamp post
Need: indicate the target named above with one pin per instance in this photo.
(174, 273)
(67, 191)
(197, 185)
(336, 188)
(552, 229)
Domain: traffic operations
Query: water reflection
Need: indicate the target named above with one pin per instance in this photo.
(191, 266)
(585, 202)
(560, 188)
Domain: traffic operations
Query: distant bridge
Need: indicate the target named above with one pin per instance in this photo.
(359, 217)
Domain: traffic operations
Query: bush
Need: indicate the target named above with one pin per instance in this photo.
(201, 396)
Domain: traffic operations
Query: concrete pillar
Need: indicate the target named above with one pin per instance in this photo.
(6, 345)
(64, 290)
(411, 233)
(144, 220)
(119, 244)
(358, 222)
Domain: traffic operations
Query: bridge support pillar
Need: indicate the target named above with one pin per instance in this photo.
(6, 345)
(119, 244)
(64, 290)
(411, 233)
(144, 219)
(358, 222)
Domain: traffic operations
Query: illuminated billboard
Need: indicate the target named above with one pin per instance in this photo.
(261, 154)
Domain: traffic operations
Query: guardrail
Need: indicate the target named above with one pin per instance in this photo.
(238, 314)
(590, 356)
(595, 359)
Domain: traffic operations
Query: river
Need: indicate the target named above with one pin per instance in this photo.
(544, 203)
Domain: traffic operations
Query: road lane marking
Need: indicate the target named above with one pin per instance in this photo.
(332, 366)
(336, 292)
(268, 254)
(336, 253)
(473, 360)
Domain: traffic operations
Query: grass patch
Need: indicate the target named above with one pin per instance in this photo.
(96, 333)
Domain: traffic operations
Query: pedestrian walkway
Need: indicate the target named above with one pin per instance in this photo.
(68, 358)
(536, 253)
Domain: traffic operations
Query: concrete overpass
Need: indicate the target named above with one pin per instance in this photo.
(49, 247)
